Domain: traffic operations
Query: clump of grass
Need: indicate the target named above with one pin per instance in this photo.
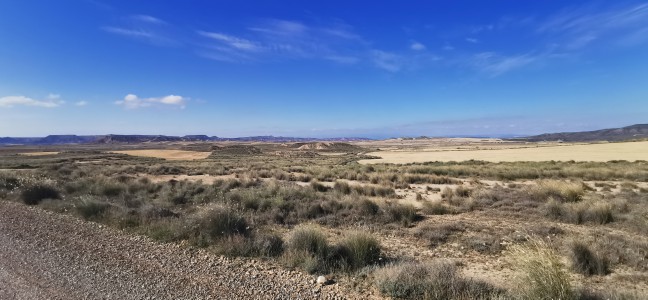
(401, 213)
(578, 213)
(215, 223)
(362, 248)
(565, 191)
(319, 187)
(435, 208)
(438, 280)
(368, 207)
(542, 273)
(587, 262)
(307, 248)
(35, 194)
(91, 209)
(447, 193)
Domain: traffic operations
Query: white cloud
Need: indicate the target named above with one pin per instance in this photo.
(11, 101)
(281, 27)
(232, 41)
(417, 46)
(131, 101)
(343, 59)
(578, 27)
(81, 103)
(472, 40)
(495, 65)
(147, 19)
(134, 33)
(387, 61)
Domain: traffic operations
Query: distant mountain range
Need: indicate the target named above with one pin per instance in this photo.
(634, 132)
(135, 139)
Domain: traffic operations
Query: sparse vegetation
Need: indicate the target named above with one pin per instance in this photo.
(542, 275)
(437, 280)
(327, 214)
(587, 262)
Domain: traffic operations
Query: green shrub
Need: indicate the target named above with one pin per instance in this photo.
(368, 207)
(9, 183)
(269, 245)
(586, 262)
(402, 213)
(215, 223)
(310, 240)
(363, 249)
(35, 194)
(91, 209)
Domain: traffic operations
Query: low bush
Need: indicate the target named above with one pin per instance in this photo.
(216, 223)
(435, 208)
(587, 262)
(404, 214)
(35, 194)
(434, 281)
(362, 249)
(91, 209)
(310, 240)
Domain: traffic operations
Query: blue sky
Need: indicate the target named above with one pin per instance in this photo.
(321, 69)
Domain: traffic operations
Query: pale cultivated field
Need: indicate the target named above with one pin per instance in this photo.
(167, 154)
(38, 153)
(630, 151)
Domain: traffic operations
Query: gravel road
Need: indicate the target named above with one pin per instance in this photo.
(45, 255)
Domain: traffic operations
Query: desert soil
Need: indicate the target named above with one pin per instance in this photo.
(45, 255)
(167, 154)
(630, 151)
(38, 153)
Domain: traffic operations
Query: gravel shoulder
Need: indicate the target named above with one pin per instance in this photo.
(44, 255)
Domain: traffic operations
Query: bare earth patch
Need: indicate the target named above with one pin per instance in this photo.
(38, 153)
(167, 154)
(630, 151)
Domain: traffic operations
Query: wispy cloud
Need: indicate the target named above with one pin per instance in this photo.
(472, 40)
(81, 103)
(578, 27)
(131, 101)
(147, 19)
(495, 65)
(275, 40)
(387, 61)
(50, 102)
(232, 41)
(144, 28)
(417, 46)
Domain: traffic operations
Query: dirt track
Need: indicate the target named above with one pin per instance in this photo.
(49, 256)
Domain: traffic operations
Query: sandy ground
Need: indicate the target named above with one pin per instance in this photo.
(38, 153)
(167, 154)
(630, 151)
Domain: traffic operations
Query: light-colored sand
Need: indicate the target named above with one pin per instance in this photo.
(630, 151)
(38, 153)
(167, 154)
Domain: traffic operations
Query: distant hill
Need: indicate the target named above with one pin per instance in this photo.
(634, 132)
(135, 139)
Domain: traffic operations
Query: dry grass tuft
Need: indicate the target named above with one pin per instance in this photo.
(542, 274)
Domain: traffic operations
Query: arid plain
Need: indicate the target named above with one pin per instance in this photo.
(401, 218)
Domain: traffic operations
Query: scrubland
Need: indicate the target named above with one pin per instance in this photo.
(434, 230)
